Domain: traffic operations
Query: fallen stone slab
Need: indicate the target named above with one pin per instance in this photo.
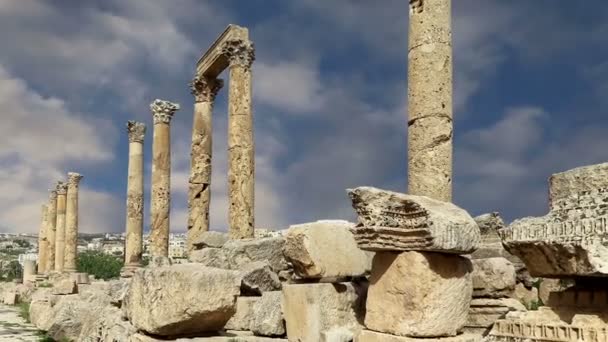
(244, 314)
(391, 221)
(210, 239)
(181, 299)
(374, 336)
(493, 277)
(325, 249)
(65, 287)
(244, 251)
(10, 298)
(258, 277)
(268, 315)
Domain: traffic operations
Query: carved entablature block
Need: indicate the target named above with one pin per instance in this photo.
(507, 330)
(136, 131)
(390, 221)
(62, 188)
(239, 52)
(163, 111)
(205, 89)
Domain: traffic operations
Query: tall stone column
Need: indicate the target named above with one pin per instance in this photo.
(199, 194)
(430, 99)
(162, 112)
(135, 196)
(62, 190)
(42, 242)
(241, 172)
(50, 235)
(71, 222)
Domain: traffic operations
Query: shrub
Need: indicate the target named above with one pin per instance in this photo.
(101, 265)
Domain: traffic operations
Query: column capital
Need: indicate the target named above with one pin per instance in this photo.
(163, 111)
(205, 88)
(53, 194)
(62, 188)
(239, 52)
(74, 179)
(416, 6)
(136, 131)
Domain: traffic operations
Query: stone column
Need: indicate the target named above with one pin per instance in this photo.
(240, 55)
(29, 271)
(62, 190)
(199, 194)
(430, 99)
(51, 236)
(162, 112)
(42, 242)
(71, 222)
(135, 196)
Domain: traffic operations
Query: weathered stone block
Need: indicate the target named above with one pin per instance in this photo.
(210, 239)
(311, 309)
(325, 249)
(182, 299)
(65, 287)
(258, 277)
(374, 336)
(241, 252)
(484, 312)
(419, 294)
(244, 315)
(391, 221)
(211, 257)
(493, 277)
(10, 298)
(268, 315)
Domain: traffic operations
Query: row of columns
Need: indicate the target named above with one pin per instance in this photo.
(58, 235)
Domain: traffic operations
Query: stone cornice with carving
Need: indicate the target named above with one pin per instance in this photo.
(62, 188)
(162, 111)
(239, 52)
(204, 88)
(136, 130)
(74, 179)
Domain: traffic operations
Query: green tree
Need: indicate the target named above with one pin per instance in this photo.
(22, 243)
(101, 265)
(11, 271)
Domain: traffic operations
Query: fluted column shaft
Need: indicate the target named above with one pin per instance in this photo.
(42, 242)
(161, 177)
(71, 222)
(51, 231)
(241, 173)
(135, 196)
(199, 192)
(60, 229)
(430, 128)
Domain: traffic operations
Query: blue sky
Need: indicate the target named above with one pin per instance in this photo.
(530, 92)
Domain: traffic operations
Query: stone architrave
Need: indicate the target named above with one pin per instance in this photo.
(240, 54)
(391, 221)
(570, 240)
(204, 90)
(52, 225)
(430, 127)
(162, 112)
(135, 196)
(42, 240)
(62, 189)
(71, 222)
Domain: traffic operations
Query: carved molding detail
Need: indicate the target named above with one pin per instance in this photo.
(62, 188)
(163, 111)
(239, 52)
(74, 179)
(205, 89)
(136, 130)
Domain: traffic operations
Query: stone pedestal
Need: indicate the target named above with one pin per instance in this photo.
(51, 231)
(71, 222)
(418, 294)
(430, 127)
(42, 241)
(199, 194)
(62, 189)
(162, 112)
(135, 196)
(240, 54)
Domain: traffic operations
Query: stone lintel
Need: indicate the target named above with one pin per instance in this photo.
(214, 61)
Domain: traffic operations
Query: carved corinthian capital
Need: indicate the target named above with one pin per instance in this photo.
(136, 130)
(53, 194)
(239, 52)
(62, 188)
(74, 179)
(163, 111)
(204, 88)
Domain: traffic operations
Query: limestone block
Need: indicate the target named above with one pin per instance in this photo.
(106, 326)
(311, 309)
(244, 314)
(211, 239)
(227, 338)
(493, 277)
(181, 299)
(65, 287)
(337, 335)
(268, 315)
(244, 251)
(325, 249)
(72, 312)
(374, 336)
(419, 294)
(211, 257)
(484, 312)
(258, 277)
(391, 221)
(547, 286)
(118, 290)
(528, 296)
(10, 298)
